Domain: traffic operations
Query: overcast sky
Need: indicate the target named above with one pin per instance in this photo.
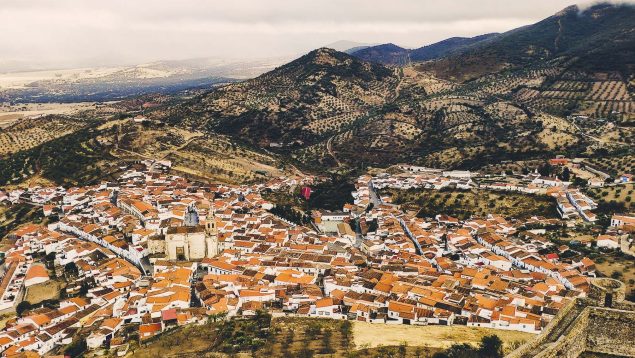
(73, 33)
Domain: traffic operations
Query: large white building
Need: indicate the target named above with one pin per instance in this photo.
(192, 241)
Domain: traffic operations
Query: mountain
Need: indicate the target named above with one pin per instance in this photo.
(502, 97)
(597, 38)
(300, 102)
(328, 108)
(388, 54)
(447, 46)
(392, 54)
(347, 46)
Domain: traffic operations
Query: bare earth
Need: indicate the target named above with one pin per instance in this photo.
(373, 335)
(9, 114)
(44, 291)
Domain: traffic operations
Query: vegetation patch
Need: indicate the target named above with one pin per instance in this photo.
(466, 203)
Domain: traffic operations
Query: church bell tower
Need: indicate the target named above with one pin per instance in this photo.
(211, 236)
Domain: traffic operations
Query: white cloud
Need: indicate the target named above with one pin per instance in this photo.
(92, 32)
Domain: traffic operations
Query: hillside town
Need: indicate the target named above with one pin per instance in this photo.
(153, 251)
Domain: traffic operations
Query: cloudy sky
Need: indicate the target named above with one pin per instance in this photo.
(74, 33)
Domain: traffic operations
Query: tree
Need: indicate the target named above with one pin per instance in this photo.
(76, 348)
(345, 331)
(313, 330)
(50, 259)
(327, 347)
(491, 347)
(305, 352)
(71, 269)
(457, 350)
(403, 347)
(566, 174)
(545, 170)
(23, 307)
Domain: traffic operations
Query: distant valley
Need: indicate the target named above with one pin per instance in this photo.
(116, 83)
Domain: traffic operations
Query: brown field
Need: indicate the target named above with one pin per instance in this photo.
(28, 133)
(10, 114)
(374, 335)
(195, 154)
(297, 337)
(620, 267)
(624, 194)
(44, 291)
(614, 165)
(198, 339)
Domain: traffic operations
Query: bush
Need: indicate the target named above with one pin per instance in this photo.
(490, 347)
(23, 307)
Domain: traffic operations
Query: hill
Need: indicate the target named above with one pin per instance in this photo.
(299, 103)
(388, 54)
(598, 38)
(330, 109)
(391, 54)
(492, 98)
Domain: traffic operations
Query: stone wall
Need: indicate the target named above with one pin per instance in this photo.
(601, 323)
(570, 345)
(555, 323)
(611, 331)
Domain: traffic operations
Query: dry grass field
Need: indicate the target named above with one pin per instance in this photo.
(189, 341)
(624, 194)
(45, 291)
(374, 335)
(5, 318)
(619, 267)
(194, 154)
(13, 113)
(322, 338)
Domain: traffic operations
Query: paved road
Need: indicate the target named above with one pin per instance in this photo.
(410, 236)
(359, 238)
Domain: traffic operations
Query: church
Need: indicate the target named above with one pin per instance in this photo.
(190, 242)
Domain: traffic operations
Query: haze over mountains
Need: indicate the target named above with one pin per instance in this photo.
(392, 54)
(599, 38)
(115, 83)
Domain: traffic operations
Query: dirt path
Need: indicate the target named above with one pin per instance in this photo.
(556, 42)
(187, 142)
(329, 148)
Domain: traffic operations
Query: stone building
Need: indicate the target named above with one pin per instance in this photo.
(192, 241)
(600, 325)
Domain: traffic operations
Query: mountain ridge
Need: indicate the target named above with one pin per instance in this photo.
(329, 109)
(392, 54)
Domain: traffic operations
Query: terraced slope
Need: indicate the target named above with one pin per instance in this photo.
(301, 102)
(506, 97)
(596, 39)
